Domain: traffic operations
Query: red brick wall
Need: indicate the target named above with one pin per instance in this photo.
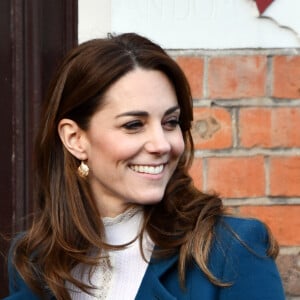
(247, 137)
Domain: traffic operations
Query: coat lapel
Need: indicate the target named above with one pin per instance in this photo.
(151, 286)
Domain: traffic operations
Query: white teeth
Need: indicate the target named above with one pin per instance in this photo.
(147, 169)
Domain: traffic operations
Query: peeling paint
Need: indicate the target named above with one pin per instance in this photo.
(297, 35)
(285, 14)
(281, 26)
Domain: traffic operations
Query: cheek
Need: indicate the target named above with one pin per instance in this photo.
(101, 146)
(178, 145)
(115, 147)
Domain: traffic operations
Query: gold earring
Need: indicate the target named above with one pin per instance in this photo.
(83, 170)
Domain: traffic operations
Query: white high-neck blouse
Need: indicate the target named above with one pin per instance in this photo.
(120, 276)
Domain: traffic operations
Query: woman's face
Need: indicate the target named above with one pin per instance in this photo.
(134, 142)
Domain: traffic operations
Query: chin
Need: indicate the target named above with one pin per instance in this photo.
(152, 200)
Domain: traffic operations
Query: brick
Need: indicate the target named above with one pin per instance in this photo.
(286, 77)
(193, 67)
(265, 127)
(196, 172)
(237, 77)
(289, 268)
(255, 127)
(283, 221)
(236, 177)
(285, 127)
(212, 128)
(285, 176)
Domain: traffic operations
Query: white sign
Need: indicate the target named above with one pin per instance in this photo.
(188, 24)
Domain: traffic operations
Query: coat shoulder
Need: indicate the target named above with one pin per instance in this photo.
(240, 254)
(240, 257)
(18, 289)
(236, 239)
(245, 231)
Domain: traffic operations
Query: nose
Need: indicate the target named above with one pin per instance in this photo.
(157, 142)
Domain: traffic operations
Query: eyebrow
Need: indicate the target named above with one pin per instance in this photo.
(141, 113)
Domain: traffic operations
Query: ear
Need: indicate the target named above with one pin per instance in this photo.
(73, 138)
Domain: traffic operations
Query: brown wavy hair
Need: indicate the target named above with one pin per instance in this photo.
(66, 225)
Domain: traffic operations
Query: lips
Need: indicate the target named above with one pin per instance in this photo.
(153, 170)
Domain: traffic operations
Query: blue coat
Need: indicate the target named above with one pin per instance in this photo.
(242, 262)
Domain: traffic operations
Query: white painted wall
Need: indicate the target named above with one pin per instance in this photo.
(94, 19)
(188, 24)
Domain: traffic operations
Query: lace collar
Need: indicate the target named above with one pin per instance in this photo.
(124, 227)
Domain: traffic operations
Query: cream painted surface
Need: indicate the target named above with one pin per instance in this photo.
(188, 24)
(286, 13)
(94, 19)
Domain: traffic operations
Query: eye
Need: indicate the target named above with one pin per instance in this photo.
(133, 125)
(171, 123)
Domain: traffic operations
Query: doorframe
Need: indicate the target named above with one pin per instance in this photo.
(35, 35)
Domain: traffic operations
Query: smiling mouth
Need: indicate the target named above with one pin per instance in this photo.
(153, 170)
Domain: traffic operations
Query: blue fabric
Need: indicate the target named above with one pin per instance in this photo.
(241, 260)
(18, 289)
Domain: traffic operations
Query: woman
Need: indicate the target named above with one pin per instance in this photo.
(117, 214)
